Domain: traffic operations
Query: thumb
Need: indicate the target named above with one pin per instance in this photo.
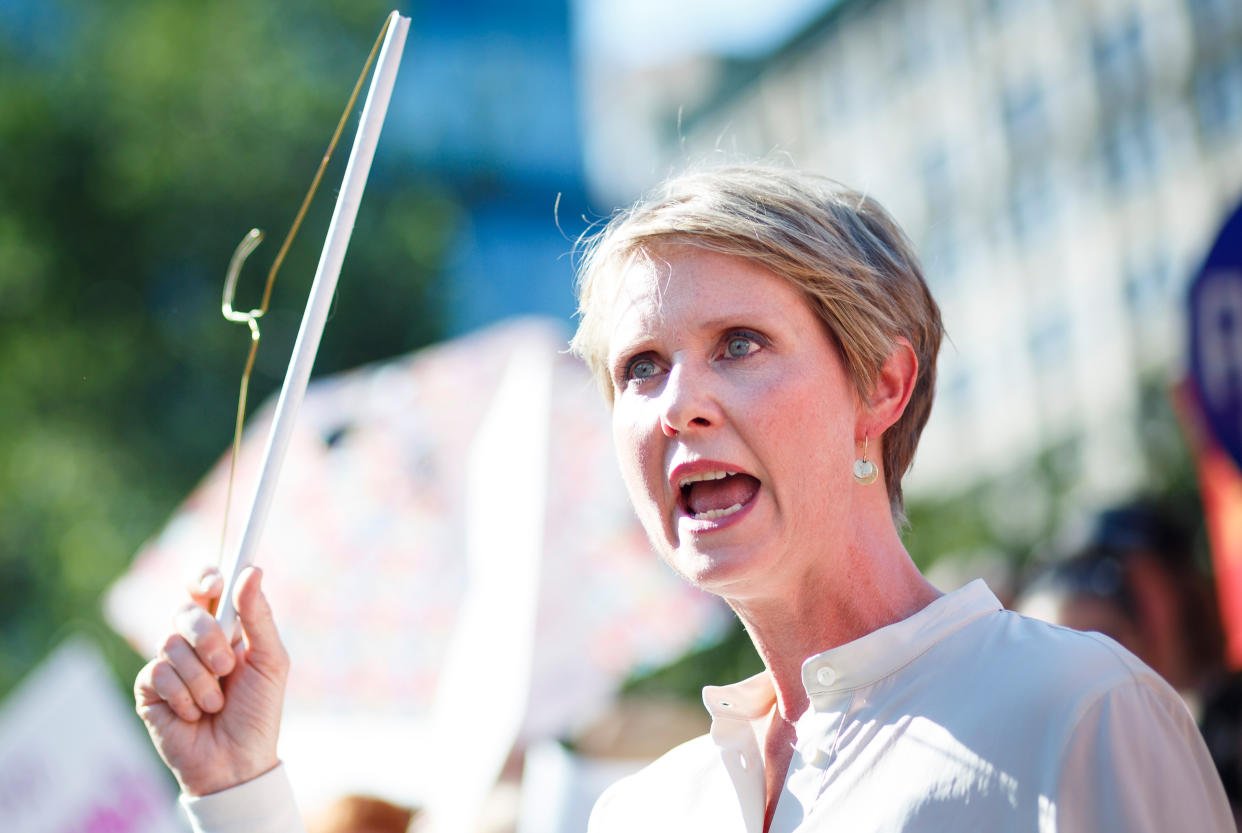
(263, 646)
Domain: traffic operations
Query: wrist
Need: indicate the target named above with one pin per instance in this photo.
(212, 780)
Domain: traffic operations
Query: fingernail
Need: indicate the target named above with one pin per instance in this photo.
(212, 701)
(207, 583)
(219, 662)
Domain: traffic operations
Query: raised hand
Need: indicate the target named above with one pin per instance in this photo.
(213, 709)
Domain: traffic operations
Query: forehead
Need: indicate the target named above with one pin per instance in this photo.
(682, 286)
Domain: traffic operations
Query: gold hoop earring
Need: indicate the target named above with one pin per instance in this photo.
(865, 471)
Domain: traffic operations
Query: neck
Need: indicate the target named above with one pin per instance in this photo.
(857, 591)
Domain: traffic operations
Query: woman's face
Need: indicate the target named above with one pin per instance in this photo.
(734, 421)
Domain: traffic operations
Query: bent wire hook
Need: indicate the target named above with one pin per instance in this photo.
(247, 245)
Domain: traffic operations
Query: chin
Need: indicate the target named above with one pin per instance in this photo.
(715, 572)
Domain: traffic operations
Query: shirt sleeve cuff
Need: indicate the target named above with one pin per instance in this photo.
(261, 805)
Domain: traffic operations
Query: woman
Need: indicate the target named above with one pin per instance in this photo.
(768, 345)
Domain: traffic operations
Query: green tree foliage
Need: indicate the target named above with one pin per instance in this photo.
(141, 139)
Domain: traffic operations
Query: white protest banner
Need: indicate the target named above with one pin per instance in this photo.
(74, 757)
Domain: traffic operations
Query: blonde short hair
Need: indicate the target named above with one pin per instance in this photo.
(851, 260)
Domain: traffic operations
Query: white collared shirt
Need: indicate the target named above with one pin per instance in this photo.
(962, 717)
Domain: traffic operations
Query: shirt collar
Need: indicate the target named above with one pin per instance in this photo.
(750, 699)
(862, 662)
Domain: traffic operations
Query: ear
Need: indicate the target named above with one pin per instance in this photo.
(894, 384)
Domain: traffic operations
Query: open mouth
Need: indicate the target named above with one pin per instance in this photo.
(711, 495)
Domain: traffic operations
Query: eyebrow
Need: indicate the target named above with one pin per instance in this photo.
(616, 361)
(731, 321)
(722, 323)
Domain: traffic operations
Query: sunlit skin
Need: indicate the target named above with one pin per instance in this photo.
(717, 364)
(721, 365)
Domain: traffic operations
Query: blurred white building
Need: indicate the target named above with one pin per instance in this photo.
(1061, 165)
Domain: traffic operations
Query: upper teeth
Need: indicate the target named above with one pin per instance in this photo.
(706, 475)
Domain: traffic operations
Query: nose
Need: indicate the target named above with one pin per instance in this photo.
(687, 401)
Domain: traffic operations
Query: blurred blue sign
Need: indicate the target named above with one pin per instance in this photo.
(1216, 337)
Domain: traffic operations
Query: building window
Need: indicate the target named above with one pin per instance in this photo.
(937, 176)
(1213, 18)
(918, 32)
(840, 93)
(1218, 95)
(1128, 149)
(939, 251)
(1147, 283)
(1001, 9)
(957, 391)
(1050, 342)
(939, 244)
(1025, 118)
(1031, 203)
(1117, 57)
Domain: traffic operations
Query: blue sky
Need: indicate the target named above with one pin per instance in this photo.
(654, 31)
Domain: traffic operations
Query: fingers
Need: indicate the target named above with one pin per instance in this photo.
(160, 686)
(183, 678)
(203, 634)
(190, 675)
(179, 677)
(206, 588)
(264, 650)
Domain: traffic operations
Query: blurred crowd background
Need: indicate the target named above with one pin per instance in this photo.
(1063, 167)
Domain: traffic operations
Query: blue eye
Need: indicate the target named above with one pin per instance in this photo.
(641, 368)
(740, 345)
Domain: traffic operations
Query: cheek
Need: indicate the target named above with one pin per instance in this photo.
(641, 470)
(805, 429)
(634, 452)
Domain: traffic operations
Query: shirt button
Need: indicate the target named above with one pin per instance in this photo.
(826, 676)
(814, 757)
